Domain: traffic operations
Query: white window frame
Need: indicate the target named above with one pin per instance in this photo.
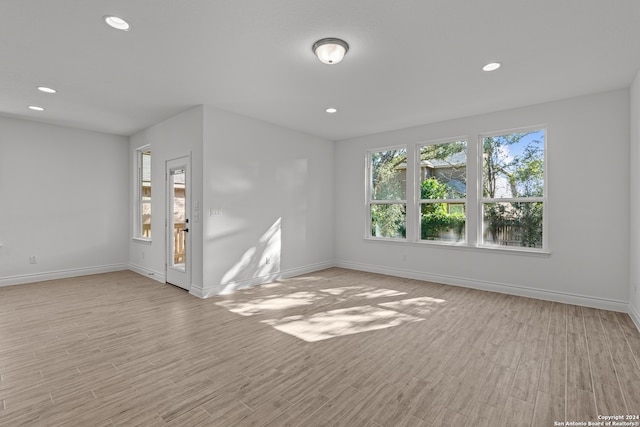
(474, 198)
(420, 201)
(482, 200)
(137, 191)
(368, 192)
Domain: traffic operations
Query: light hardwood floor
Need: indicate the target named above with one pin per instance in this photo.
(335, 347)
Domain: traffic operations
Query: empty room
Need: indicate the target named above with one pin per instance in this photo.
(286, 213)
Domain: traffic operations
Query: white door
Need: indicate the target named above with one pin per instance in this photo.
(178, 213)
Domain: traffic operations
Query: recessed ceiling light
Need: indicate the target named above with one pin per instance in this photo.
(46, 89)
(491, 66)
(331, 110)
(36, 108)
(116, 22)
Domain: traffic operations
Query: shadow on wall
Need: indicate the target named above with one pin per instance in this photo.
(263, 260)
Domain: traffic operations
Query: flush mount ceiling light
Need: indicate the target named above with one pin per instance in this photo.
(46, 89)
(116, 22)
(36, 108)
(331, 110)
(492, 66)
(330, 50)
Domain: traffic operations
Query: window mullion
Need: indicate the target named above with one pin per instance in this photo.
(443, 201)
(514, 200)
(410, 203)
(388, 202)
(474, 189)
(367, 196)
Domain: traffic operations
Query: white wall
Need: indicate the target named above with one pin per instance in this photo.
(273, 190)
(588, 210)
(64, 199)
(175, 137)
(634, 233)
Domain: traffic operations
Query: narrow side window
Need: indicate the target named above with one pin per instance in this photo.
(142, 227)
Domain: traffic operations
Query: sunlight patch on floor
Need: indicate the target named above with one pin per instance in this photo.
(271, 285)
(363, 292)
(259, 305)
(335, 323)
(379, 293)
(339, 291)
(417, 306)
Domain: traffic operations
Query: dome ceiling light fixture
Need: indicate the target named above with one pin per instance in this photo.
(330, 50)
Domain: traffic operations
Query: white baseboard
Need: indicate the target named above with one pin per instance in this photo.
(152, 274)
(543, 294)
(635, 315)
(293, 272)
(60, 274)
(197, 291)
(200, 292)
(232, 286)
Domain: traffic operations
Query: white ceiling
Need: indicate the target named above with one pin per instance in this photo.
(411, 61)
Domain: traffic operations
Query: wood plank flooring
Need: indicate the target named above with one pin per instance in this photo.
(335, 347)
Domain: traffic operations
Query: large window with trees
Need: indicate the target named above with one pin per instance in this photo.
(513, 195)
(487, 193)
(387, 193)
(443, 191)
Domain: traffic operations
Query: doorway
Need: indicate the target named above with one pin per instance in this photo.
(178, 262)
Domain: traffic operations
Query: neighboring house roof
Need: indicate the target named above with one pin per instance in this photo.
(457, 185)
(503, 189)
(457, 159)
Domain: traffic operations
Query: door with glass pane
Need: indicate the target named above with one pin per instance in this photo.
(178, 241)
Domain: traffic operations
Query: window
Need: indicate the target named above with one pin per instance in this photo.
(487, 193)
(443, 191)
(387, 193)
(142, 221)
(513, 196)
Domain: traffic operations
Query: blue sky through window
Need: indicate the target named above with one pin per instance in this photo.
(517, 149)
